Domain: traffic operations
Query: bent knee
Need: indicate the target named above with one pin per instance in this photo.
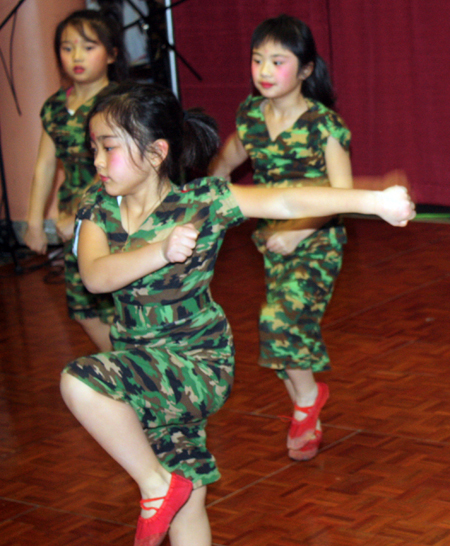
(73, 390)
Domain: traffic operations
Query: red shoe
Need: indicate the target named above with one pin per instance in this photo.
(309, 450)
(301, 432)
(151, 531)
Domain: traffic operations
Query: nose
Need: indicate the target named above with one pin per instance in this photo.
(265, 68)
(77, 53)
(99, 159)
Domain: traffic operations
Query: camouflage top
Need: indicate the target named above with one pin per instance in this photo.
(296, 153)
(157, 309)
(68, 133)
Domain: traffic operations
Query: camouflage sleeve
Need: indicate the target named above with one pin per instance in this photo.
(46, 113)
(336, 128)
(223, 207)
(89, 209)
(241, 116)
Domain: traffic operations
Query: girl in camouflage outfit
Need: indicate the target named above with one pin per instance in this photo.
(89, 51)
(293, 138)
(153, 243)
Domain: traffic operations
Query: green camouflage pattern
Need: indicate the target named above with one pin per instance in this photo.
(81, 304)
(68, 133)
(173, 357)
(298, 286)
(297, 154)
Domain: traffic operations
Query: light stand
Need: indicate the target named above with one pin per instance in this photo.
(159, 34)
(8, 239)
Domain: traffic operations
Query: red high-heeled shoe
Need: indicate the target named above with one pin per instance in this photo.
(301, 432)
(151, 531)
(309, 450)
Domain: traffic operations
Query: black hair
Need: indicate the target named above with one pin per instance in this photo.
(148, 112)
(296, 36)
(107, 27)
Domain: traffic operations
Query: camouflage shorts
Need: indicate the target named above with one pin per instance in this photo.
(298, 290)
(80, 302)
(172, 393)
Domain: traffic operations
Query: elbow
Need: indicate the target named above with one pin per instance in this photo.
(93, 287)
(95, 284)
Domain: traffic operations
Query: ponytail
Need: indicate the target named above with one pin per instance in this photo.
(200, 139)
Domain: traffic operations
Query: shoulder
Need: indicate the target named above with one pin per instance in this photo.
(250, 104)
(215, 195)
(95, 197)
(56, 100)
(328, 122)
(206, 188)
(322, 114)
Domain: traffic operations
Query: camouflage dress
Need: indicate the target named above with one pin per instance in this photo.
(298, 286)
(67, 131)
(173, 354)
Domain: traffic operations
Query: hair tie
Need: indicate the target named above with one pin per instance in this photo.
(185, 115)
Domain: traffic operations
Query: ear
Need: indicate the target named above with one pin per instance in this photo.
(112, 58)
(306, 71)
(159, 150)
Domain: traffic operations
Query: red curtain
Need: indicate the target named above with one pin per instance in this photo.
(388, 61)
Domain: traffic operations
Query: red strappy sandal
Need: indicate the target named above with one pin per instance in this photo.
(301, 432)
(309, 450)
(151, 531)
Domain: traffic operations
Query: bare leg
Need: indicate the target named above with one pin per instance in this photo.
(117, 429)
(98, 332)
(302, 389)
(191, 525)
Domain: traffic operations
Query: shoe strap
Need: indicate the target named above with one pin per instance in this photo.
(305, 409)
(143, 501)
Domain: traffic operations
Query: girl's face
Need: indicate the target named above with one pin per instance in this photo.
(118, 160)
(84, 59)
(275, 70)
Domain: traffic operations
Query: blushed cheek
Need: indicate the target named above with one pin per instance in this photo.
(254, 71)
(285, 73)
(117, 162)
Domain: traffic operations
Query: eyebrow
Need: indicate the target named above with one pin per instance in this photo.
(284, 55)
(88, 40)
(101, 138)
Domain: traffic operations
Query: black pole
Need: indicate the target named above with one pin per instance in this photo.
(8, 238)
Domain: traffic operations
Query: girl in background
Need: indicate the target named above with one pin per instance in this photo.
(293, 139)
(153, 243)
(89, 51)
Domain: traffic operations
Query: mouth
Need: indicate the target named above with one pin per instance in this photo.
(104, 179)
(266, 85)
(78, 69)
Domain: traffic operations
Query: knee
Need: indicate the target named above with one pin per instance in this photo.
(71, 390)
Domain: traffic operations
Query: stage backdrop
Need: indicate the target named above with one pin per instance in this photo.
(388, 61)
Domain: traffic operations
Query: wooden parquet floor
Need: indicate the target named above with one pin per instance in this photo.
(382, 477)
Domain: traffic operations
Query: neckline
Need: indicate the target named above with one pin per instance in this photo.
(158, 204)
(261, 106)
(86, 104)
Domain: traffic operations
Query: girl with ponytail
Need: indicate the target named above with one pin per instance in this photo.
(293, 138)
(152, 241)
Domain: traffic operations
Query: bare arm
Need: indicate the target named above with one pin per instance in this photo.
(393, 205)
(231, 155)
(102, 271)
(44, 175)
